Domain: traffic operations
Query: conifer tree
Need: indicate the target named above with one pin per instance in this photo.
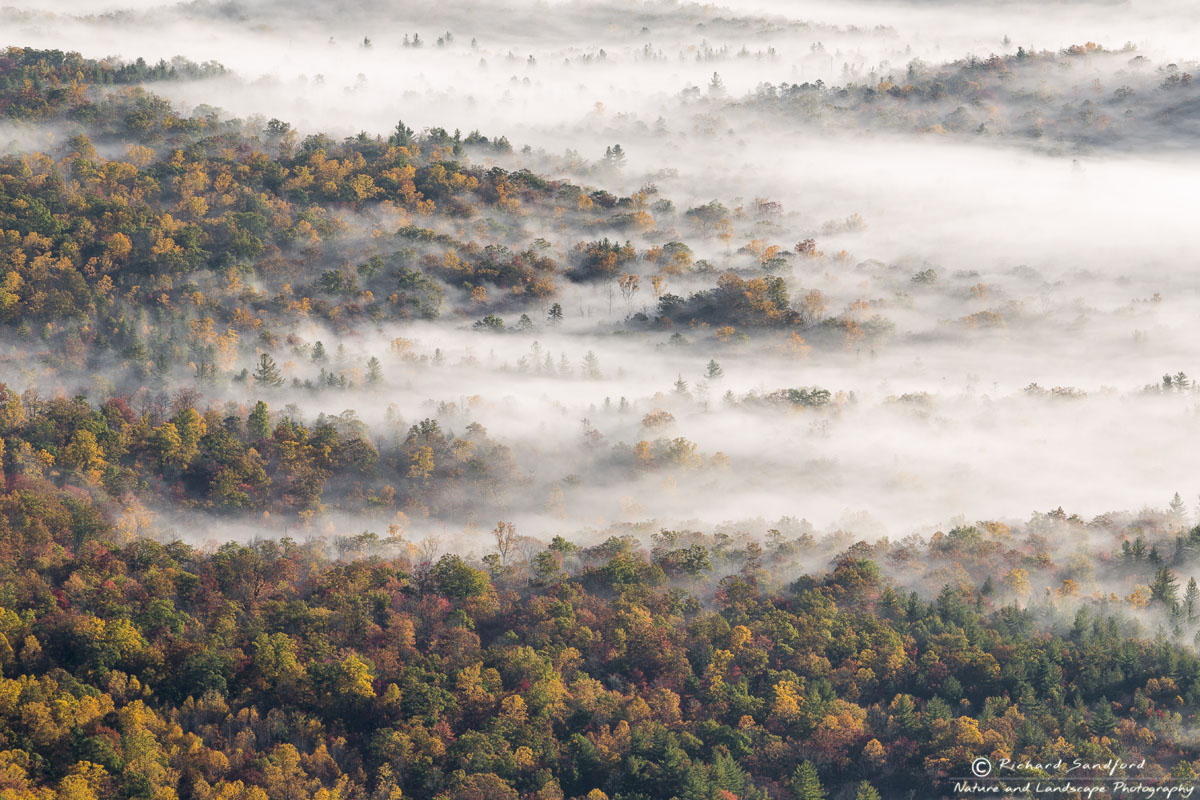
(267, 373)
(806, 784)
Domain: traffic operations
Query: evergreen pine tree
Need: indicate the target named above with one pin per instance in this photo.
(1104, 722)
(591, 365)
(806, 784)
(1164, 587)
(258, 424)
(867, 792)
(1177, 509)
(904, 716)
(727, 774)
(374, 371)
(267, 373)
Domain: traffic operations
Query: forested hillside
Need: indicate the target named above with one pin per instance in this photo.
(695, 668)
(672, 429)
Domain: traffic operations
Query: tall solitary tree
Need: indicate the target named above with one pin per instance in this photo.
(267, 372)
(1177, 509)
(505, 534)
(374, 371)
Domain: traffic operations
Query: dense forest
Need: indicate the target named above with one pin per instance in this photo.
(693, 668)
(657, 415)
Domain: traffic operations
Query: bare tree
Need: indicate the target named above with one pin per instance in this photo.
(506, 537)
(427, 553)
(629, 287)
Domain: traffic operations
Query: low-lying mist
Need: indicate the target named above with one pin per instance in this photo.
(598, 398)
(1017, 299)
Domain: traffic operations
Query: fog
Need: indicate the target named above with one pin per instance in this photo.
(1077, 253)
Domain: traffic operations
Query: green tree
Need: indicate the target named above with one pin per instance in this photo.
(1104, 722)
(455, 578)
(806, 784)
(402, 136)
(1164, 588)
(695, 560)
(490, 323)
(258, 424)
(904, 716)
(267, 372)
(867, 792)
(614, 157)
